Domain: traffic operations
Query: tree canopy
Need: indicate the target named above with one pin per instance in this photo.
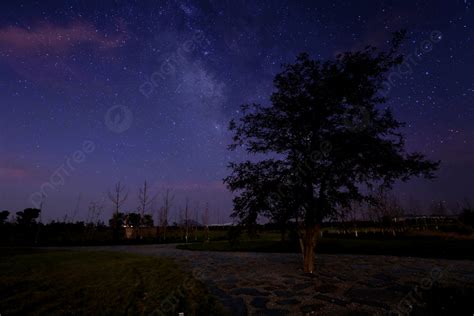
(4, 216)
(28, 216)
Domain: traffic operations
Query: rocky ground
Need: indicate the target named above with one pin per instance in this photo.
(274, 284)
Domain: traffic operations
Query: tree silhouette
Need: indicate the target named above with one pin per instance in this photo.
(147, 220)
(117, 220)
(4, 216)
(28, 216)
(164, 211)
(145, 200)
(118, 197)
(326, 140)
(133, 220)
(205, 222)
(385, 207)
(186, 219)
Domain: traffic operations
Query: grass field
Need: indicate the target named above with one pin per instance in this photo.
(97, 283)
(420, 247)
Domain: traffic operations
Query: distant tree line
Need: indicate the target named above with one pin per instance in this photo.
(27, 226)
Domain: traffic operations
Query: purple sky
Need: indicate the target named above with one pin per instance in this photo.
(150, 88)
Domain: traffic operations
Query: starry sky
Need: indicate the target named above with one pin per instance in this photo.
(92, 92)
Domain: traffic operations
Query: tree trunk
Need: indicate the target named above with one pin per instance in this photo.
(308, 244)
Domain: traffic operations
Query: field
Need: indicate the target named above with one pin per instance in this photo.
(428, 246)
(79, 282)
(143, 280)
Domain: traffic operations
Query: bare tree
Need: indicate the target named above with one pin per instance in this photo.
(145, 200)
(43, 196)
(349, 215)
(118, 195)
(195, 222)
(205, 222)
(414, 206)
(463, 207)
(76, 209)
(164, 211)
(385, 208)
(95, 211)
(186, 220)
(439, 208)
(181, 230)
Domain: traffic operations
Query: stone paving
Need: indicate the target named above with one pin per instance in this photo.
(274, 284)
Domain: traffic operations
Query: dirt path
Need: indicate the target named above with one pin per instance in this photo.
(274, 284)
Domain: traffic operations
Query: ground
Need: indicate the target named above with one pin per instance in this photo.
(45, 282)
(274, 284)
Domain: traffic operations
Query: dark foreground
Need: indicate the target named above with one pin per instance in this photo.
(425, 248)
(34, 282)
(273, 284)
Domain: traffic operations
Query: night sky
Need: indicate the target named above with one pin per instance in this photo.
(144, 90)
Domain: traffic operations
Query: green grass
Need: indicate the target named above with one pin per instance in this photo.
(436, 248)
(97, 283)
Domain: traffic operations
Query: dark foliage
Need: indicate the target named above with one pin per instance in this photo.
(28, 216)
(4, 216)
(133, 219)
(117, 220)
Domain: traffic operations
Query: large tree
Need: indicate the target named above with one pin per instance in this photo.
(326, 139)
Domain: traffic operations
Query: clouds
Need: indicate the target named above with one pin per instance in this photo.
(11, 173)
(14, 169)
(57, 56)
(56, 39)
